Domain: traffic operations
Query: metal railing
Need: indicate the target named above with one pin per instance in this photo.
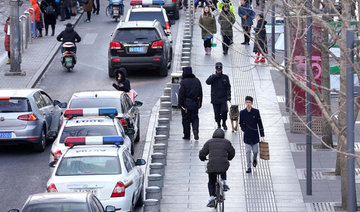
(27, 29)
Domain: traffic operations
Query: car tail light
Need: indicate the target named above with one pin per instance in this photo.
(119, 190)
(57, 155)
(115, 45)
(52, 188)
(157, 45)
(167, 26)
(4, 97)
(116, 60)
(28, 117)
(123, 122)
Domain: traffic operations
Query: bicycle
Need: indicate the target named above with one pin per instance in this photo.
(220, 194)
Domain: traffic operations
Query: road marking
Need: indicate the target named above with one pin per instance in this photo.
(89, 39)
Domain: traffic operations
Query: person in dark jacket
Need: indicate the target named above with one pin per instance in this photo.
(247, 15)
(123, 84)
(260, 45)
(96, 6)
(190, 100)
(68, 35)
(220, 151)
(48, 8)
(226, 21)
(251, 124)
(220, 93)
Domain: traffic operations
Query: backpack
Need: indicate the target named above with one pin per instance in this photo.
(50, 10)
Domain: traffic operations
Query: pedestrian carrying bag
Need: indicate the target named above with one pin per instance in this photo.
(264, 150)
(50, 10)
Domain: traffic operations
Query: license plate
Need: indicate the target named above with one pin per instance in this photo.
(136, 49)
(68, 59)
(93, 191)
(116, 11)
(5, 134)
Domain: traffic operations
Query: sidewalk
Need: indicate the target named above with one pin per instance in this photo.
(35, 59)
(273, 185)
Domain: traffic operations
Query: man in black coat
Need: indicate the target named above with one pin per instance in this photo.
(251, 125)
(220, 93)
(220, 151)
(190, 100)
(122, 84)
(68, 35)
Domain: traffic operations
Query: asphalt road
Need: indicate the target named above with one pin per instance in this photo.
(23, 172)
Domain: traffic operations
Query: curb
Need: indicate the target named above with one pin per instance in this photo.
(37, 76)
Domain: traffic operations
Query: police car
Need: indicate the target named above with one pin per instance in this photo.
(171, 6)
(108, 171)
(139, 12)
(88, 122)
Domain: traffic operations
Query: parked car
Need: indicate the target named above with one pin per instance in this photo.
(172, 7)
(128, 113)
(63, 202)
(108, 171)
(28, 116)
(139, 45)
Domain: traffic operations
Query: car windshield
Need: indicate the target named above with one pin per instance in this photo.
(141, 35)
(14, 105)
(148, 16)
(96, 103)
(89, 165)
(88, 130)
(57, 207)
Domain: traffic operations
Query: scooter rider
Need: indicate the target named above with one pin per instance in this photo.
(69, 35)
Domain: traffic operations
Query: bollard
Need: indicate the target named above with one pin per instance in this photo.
(165, 113)
(161, 139)
(186, 45)
(188, 36)
(166, 105)
(185, 63)
(151, 205)
(155, 180)
(158, 157)
(167, 91)
(160, 147)
(165, 98)
(153, 192)
(187, 40)
(164, 122)
(185, 54)
(162, 130)
(185, 58)
(168, 85)
(186, 49)
(157, 168)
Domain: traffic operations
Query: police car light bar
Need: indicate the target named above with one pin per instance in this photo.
(94, 140)
(69, 113)
(146, 2)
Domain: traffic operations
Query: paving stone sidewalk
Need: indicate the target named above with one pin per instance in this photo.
(35, 58)
(273, 185)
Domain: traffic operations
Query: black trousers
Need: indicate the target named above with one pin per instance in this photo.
(220, 111)
(247, 33)
(212, 181)
(190, 117)
(47, 28)
(207, 43)
(88, 13)
(9, 54)
(97, 6)
(226, 40)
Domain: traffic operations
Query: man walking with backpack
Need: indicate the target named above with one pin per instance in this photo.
(190, 100)
(220, 94)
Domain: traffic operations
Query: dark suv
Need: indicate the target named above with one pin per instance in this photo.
(139, 44)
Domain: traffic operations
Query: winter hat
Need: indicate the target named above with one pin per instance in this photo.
(219, 133)
(187, 71)
(68, 25)
(218, 66)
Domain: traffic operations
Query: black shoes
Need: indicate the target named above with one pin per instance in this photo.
(224, 126)
(248, 170)
(196, 135)
(186, 138)
(254, 162)
(245, 43)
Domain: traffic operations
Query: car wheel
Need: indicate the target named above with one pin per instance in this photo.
(164, 71)
(40, 146)
(137, 138)
(140, 201)
(111, 72)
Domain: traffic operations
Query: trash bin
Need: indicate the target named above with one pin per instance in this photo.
(175, 86)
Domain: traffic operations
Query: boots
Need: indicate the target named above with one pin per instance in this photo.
(262, 60)
(8, 62)
(209, 50)
(257, 58)
(206, 50)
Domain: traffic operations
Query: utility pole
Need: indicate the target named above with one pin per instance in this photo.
(273, 30)
(286, 55)
(15, 49)
(309, 104)
(350, 119)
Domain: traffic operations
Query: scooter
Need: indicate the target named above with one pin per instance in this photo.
(68, 58)
(115, 9)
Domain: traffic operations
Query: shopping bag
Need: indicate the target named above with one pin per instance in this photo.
(213, 42)
(264, 150)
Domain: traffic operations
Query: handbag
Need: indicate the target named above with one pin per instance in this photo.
(264, 150)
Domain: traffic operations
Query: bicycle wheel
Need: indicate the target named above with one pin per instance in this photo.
(217, 197)
(221, 204)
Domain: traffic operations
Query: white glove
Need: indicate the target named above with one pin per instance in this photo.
(262, 139)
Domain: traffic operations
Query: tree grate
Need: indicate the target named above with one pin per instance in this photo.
(320, 207)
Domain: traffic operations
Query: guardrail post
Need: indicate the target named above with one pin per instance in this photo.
(158, 157)
(155, 180)
(157, 168)
(161, 139)
(153, 192)
(151, 205)
(160, 147)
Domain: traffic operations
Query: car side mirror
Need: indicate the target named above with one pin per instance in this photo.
(130, 131)
(138, 104)
(110, 208)
(63, 105)
(14, 210)
(52, 164)
(140, 162)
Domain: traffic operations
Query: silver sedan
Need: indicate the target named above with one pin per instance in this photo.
(28, 116)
